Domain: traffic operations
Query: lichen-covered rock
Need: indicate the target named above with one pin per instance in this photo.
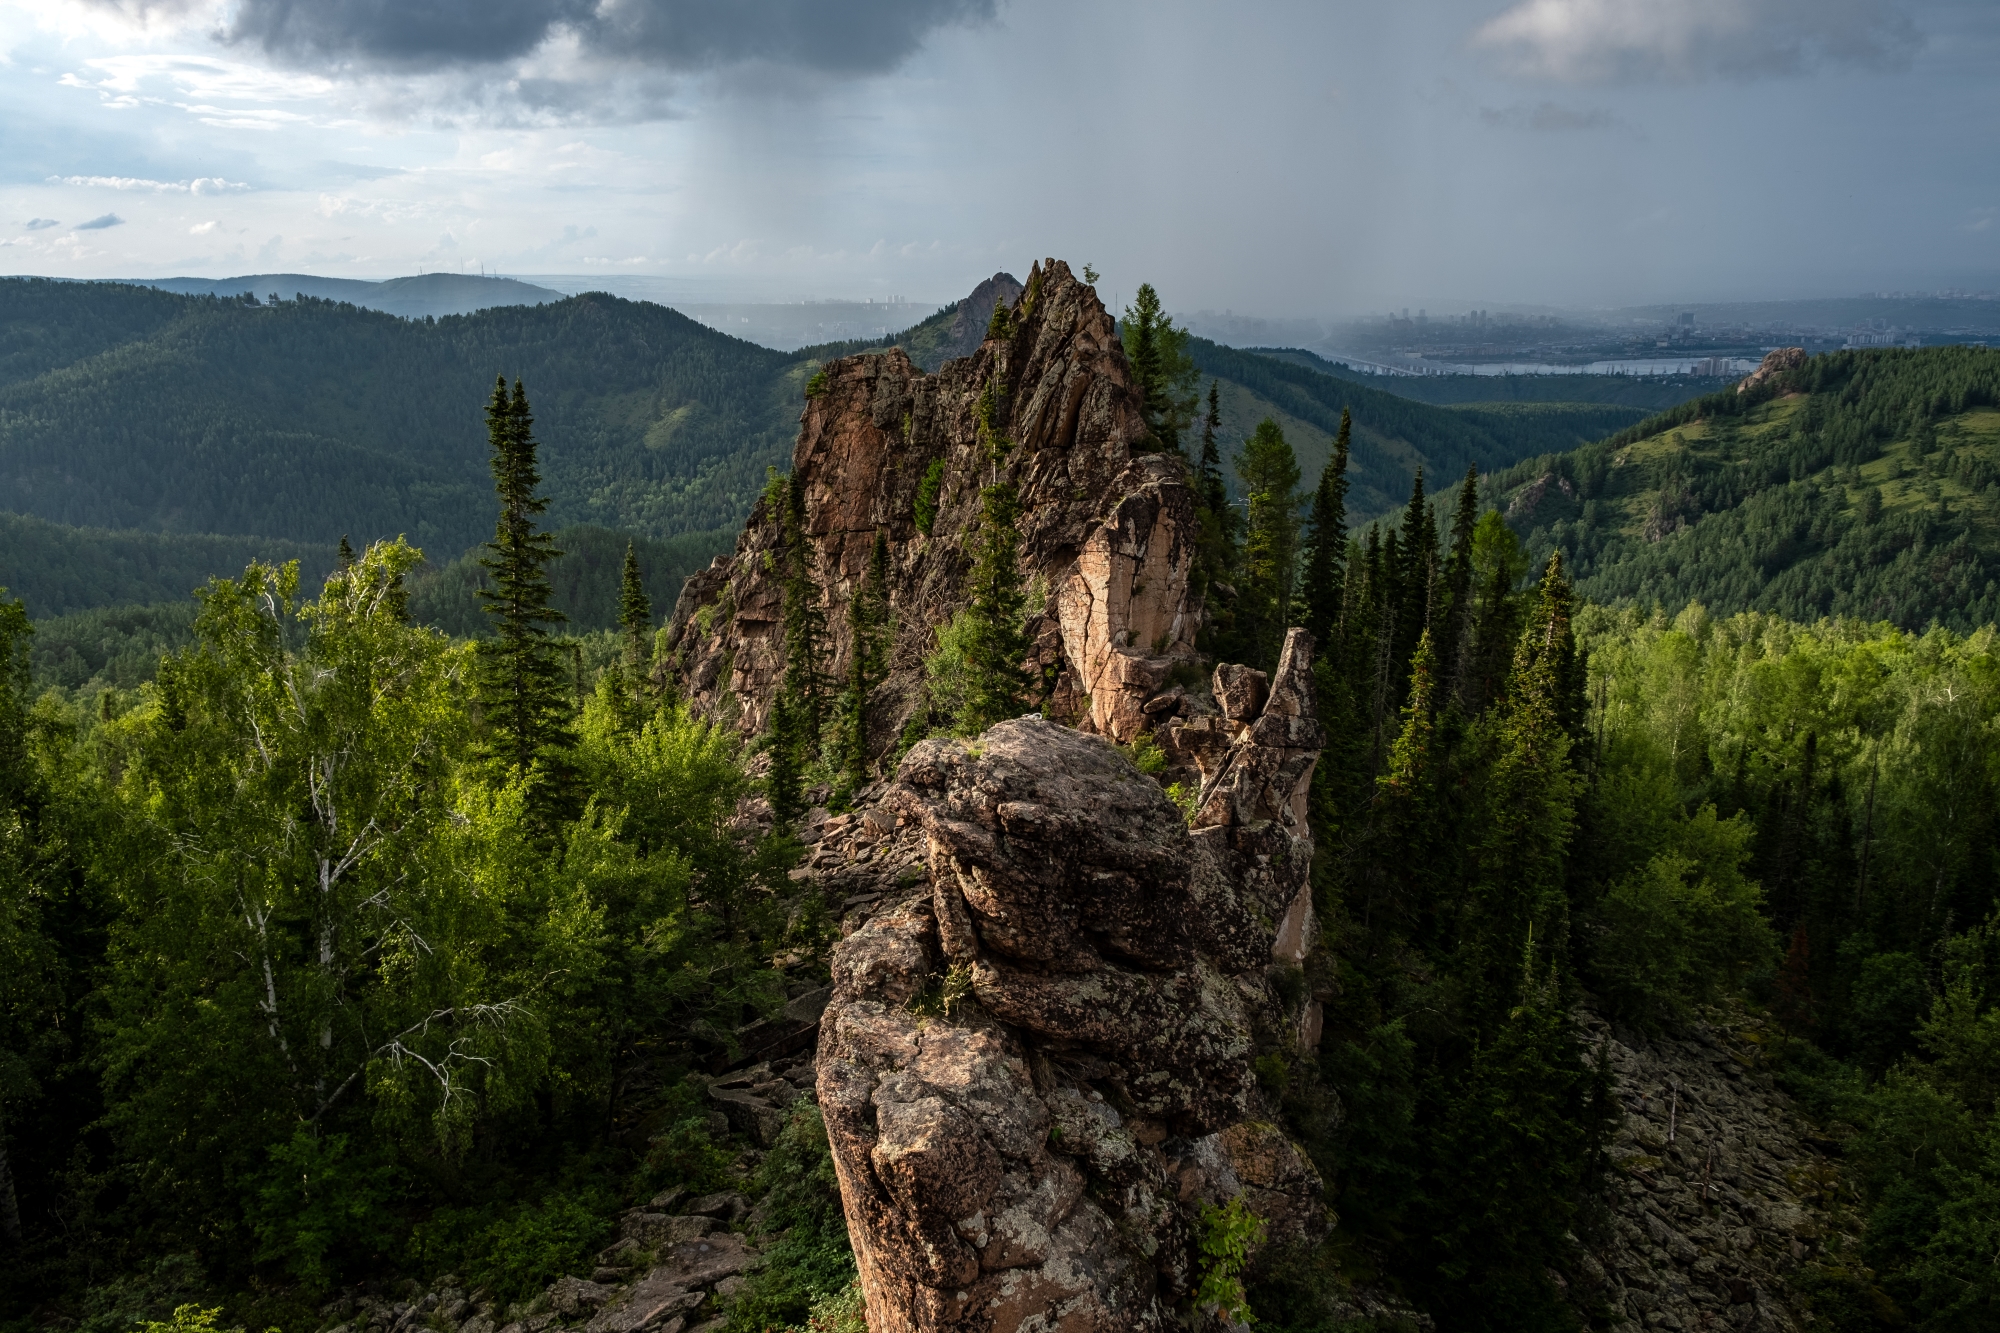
(1108, 531)
(1037, 1068)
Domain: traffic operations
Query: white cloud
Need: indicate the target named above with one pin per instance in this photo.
(1606, 41)
(202, 228)
(199, 185)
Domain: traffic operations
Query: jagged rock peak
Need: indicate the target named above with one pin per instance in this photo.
(1035, 1071)
(1108, 530)
(968, 322)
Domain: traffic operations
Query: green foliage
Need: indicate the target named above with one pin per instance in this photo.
(524, 1252)
(521, 670)
(186, 1319)
(1227, 1235)
(1001, 323)
(808, 1272)
(1685, 928)
(817, 385)
(928, 490)
(1270, 475)
(1860, 484)
(1162, 370)
(321, 1208)
(992, 639)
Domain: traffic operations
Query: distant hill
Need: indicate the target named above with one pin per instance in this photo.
(430, 294)
(124, 408)
(1394, 435)
(1857, 484)
(165, 437)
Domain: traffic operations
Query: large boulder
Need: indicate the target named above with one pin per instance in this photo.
(1036, 1071)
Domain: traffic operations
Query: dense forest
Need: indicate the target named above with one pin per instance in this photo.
(305, 419)
(1528, 803)
(346, 949)
(1857, 484)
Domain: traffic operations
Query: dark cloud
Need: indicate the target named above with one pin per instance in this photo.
(99, 224)
(860, 36)
(41, 224)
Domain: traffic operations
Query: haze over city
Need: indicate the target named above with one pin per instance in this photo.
(1282, 159)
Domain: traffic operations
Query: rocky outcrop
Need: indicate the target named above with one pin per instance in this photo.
(1035, 1068)
(1775, 362)
(1108, 531)
(967, 328)
(1718, 1193)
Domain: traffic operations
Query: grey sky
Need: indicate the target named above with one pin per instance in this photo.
(1276, 158)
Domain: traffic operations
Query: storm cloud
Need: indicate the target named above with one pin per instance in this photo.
(856, 37)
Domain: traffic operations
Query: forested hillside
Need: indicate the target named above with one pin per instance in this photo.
(1859, 484)
(130, 408)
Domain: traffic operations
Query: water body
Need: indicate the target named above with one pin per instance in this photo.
(1649, 367)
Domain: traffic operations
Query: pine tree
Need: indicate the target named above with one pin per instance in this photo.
(1456, 621)
(1416, 568)
(1214, 492)
(1405, 823)
(522, 680)
(346, 554)
(867, 623)
(1530, 793)
(996, 681)
(1270, 473)
(635, 617)
(784, 784)
(1162, 370)
(1326, 547)
(805, 624)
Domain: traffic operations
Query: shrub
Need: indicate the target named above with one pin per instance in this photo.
(1227, 1236)
(808, 1267)
(927, 496)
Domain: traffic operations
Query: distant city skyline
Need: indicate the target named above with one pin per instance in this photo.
(1289, 159)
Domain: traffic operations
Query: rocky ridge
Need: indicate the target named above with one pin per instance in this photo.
(1107, 529)
(1035, 1071)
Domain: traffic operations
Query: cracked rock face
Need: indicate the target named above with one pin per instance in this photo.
(1034, 1073)
(1108, 531)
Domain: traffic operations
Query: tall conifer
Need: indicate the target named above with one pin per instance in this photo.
(1214, 491)
(521, 681)
(1270, 473)
(1456, 622)
(997, 683)
(867, 624)
(805, 625)
(1326, 547)
(635, 617)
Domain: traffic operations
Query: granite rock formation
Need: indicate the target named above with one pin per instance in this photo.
(1036, 1068)
(1108, 530)
(1775, 362)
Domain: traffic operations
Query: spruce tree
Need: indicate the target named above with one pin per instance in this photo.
(784, 784)
(635, 617)
(1326, 547)
(346, 555)
(805, 625)
(1270, 473)
(867, 623)
(996, 681)
(1214, 492)
(1406, 818)
(521, 681)
(1530, 808)
(1416, 565)
(1456, 622)
(1162, 370)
